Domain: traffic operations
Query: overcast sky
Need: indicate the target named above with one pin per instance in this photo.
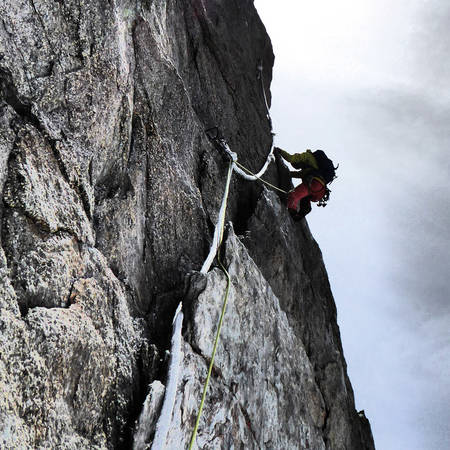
(369, 82)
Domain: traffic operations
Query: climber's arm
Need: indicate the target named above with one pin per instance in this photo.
(284, 154)
(299, 160)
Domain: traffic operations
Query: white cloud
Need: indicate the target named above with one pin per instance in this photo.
(340, 42)
(369, 82)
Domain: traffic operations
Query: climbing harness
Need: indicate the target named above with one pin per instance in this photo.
(326, 196)
(323, 201)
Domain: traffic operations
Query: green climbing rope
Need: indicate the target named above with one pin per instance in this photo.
(216, 341)
(260, 179)
(222, 315)
(227, 291)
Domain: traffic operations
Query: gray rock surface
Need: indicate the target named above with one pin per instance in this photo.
(110, 192)
(262, 361)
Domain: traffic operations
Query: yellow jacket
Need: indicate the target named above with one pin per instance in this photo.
(307, 163)
(303, 160)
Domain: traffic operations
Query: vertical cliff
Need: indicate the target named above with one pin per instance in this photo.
(110, 193)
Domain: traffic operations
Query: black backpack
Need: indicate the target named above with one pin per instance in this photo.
(326, 167)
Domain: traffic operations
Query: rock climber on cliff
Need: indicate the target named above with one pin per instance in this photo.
(316, 171)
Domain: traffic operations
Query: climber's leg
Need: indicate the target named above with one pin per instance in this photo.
(296, 195)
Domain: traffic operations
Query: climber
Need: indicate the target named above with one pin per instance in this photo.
(316, 171)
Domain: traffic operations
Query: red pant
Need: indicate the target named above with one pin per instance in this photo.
(315, 192)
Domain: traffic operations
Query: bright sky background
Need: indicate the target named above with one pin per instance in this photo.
(369, 82)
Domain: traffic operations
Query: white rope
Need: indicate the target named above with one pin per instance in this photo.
(218, 231)
(256, 176)
(260, 68)
(218, 234)
(176, 356)
(270, 156)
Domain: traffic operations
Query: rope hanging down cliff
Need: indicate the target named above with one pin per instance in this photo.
(218, 237)
(213, 134)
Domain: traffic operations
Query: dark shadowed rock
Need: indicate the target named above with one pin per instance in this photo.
(110, 193)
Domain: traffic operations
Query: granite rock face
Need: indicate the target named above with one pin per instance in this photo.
(110, 193)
